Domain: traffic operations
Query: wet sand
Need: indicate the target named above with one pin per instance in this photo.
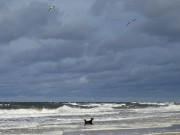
(168, 133)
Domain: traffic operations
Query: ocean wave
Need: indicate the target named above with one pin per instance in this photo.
(55, 105)
(9, 110)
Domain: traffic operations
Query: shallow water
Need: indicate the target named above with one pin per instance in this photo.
(68, 118)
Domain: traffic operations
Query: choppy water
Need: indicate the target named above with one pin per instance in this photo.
(51, 118)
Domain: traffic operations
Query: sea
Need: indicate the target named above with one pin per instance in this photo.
(115, 118)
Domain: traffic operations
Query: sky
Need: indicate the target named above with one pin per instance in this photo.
(83, 50)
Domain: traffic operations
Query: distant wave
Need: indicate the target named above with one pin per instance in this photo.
(55, 105)
(110, 111)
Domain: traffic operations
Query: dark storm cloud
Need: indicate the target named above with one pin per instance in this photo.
(34, 20)
(77, 51)
(27, 20)
(160, 17)
(150, 59)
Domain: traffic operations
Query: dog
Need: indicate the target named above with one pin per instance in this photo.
(90, 122)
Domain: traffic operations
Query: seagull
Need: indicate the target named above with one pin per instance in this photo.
(131, 21)
(51, 8)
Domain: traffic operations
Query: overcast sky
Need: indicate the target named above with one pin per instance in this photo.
(83, 50)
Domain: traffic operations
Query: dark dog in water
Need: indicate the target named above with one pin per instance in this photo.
(90, 122)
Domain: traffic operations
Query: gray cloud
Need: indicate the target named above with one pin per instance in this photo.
(160, 17)
(2, 4)
(77, 51)
(101, 7)
(25, 21)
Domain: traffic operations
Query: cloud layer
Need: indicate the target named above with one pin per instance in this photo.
(84, 49)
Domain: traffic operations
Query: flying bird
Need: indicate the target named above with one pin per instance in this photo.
(131, 21)
(51, 8)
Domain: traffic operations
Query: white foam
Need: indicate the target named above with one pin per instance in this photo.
(109, 105)
(54, 133)
(64, 110)
(16, 113)
(102, 109)
(73, 103)
(153, 103)
(169, 108)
